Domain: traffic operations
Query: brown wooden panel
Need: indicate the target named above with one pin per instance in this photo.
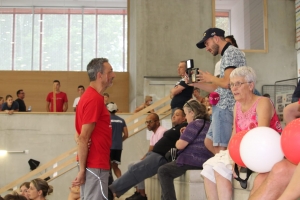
(37, 84)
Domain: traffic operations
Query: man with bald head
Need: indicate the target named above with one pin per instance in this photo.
(153, 159)
(153, 124)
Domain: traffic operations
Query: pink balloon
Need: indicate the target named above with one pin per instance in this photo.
(234, 147)
(290, 141)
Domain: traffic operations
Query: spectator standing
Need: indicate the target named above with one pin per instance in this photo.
(181, 92)
(92, 124)
(148, 102)
(61, 99)
(119, 134)
(106, 98)
(80, 90)
(219, 132)
(20, 100)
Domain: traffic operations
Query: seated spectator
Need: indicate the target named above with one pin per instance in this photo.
(192, 151)
(153, 124)
(250, 111)
(207, 105)
(14, 197)
(148, 102)
(292, 191)
(277, 184)
(20, 100)
(39, 189)
(267, 95)
(152, 161)
(80, 90)
(291, 112)
(106, 98)
(23, 189)
(1, 102)
(10, 106)
(296, 94)
(197, 95)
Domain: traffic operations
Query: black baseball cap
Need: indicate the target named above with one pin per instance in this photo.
(210, 33)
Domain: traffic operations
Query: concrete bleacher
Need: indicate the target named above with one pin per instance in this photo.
(190, 186)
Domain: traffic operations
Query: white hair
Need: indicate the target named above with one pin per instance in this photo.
(246, 72)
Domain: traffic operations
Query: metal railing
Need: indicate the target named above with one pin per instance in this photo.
(67, 161)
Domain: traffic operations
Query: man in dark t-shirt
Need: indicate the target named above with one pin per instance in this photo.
(20, 100)
(182, 92)
(153, 159)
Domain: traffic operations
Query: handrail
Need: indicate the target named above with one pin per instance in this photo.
(164, 111)
(141, 122)
(147, 109)
(37, 170)
(62, 173)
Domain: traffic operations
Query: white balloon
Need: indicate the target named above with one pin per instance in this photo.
(260, 149)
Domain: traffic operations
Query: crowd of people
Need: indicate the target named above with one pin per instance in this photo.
(36, 189)
(198, 139)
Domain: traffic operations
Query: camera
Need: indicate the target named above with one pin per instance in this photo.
(191, 71)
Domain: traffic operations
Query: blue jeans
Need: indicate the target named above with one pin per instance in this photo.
(137, 173)
(220, 129)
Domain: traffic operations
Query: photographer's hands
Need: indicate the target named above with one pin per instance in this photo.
(205, 77)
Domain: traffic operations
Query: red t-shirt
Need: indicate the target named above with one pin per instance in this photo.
(91, 108)
(61, 98)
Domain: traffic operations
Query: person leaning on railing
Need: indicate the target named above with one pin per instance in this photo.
(148, 102)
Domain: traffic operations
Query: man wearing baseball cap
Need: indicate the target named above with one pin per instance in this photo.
(220, 129)
(119, 134)
(214, 42)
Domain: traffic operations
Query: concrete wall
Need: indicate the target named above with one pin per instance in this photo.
(47, 136)
(166, 32)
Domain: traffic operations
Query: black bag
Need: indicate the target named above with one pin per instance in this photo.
(243, 182)
(172, 154)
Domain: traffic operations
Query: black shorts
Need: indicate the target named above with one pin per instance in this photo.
(115, 156)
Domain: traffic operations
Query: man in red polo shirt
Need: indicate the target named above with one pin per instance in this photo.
(93, 122)
(61, 99)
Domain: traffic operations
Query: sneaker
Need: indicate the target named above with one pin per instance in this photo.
(132, 197)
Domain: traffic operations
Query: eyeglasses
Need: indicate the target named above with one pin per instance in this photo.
(237, 84)
(150, 121)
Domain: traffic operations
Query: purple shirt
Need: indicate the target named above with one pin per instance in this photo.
(195, 153)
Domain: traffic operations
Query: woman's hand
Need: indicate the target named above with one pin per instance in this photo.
(182, 130)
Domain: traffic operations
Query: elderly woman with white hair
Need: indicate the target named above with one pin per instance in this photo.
(249, 111)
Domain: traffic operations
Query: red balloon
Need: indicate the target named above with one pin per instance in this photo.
(290, 141)
(234, 147)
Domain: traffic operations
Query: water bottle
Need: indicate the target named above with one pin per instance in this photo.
(29, 109)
